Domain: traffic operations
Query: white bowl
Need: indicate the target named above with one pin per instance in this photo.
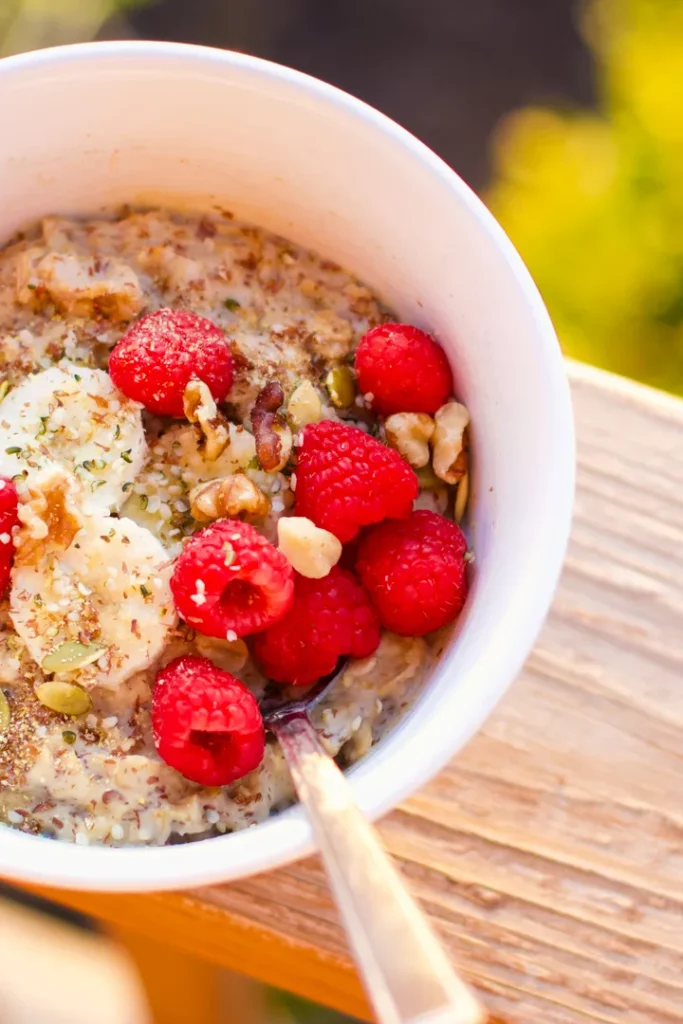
(84, 127)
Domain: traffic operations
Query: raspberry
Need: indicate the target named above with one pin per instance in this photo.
(230, 579)
(207, 724)
(346, 479)
(330, 617)
(414, 571)
(8, 520)
(159, 355)
(403, 369)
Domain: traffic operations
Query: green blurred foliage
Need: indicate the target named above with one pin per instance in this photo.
(594, 202)
(29, 24)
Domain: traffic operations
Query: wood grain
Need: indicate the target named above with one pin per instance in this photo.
(550, 853)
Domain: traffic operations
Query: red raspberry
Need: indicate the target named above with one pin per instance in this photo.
(158, 356)
(230, 579)
(207, 724)
(8, 520)
(414, 572)
(403, 369)
(346, 479)
(330, 617)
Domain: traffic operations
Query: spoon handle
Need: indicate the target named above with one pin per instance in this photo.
(406, 972)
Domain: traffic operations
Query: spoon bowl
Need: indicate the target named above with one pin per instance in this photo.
(278, 705)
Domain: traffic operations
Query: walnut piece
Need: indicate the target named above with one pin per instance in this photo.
(409, 434)
(450, 443)
(310, 550)
(200, 408)
(271, 433)
(49, 516)
(230, 496)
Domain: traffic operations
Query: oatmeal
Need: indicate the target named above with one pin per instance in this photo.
(201, 498)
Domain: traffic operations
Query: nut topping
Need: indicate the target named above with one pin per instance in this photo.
(231, 496)
(201, 409)
(310, 550)
(450, 442)
(409, 434)
(49, 516)
(271, 433)
(304, 406)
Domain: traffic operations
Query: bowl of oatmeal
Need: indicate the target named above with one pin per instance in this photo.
(275, 391)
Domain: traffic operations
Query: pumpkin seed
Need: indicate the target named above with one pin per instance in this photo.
(5, 714)
(65, 698)
(428, 480)
(69, 736)
(4, 388)
(341, 385)
(70, 656)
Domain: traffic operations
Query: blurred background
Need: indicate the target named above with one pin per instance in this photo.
(566, 117)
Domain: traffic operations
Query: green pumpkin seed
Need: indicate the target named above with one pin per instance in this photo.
(341, 385)
(428, 480)
(5, 714)
(4, 388)
(65, 698)
(70, 656)
(69, 737)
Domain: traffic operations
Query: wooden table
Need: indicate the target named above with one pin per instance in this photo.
(550, 853)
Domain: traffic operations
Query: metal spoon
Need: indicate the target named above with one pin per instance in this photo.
(407, 975)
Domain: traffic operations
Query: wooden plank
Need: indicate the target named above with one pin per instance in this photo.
(550, 853)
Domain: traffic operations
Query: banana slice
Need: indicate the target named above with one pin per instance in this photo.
(99, 611)
(74, 417)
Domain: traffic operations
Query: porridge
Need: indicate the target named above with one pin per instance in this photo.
(223, 468)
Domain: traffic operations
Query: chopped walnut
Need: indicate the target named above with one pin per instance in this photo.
(49, 515)
(89, 287)
(201, 409)
(409, 433)
(450, 442)
(310, 550)
(271, 433)
(231, 496)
